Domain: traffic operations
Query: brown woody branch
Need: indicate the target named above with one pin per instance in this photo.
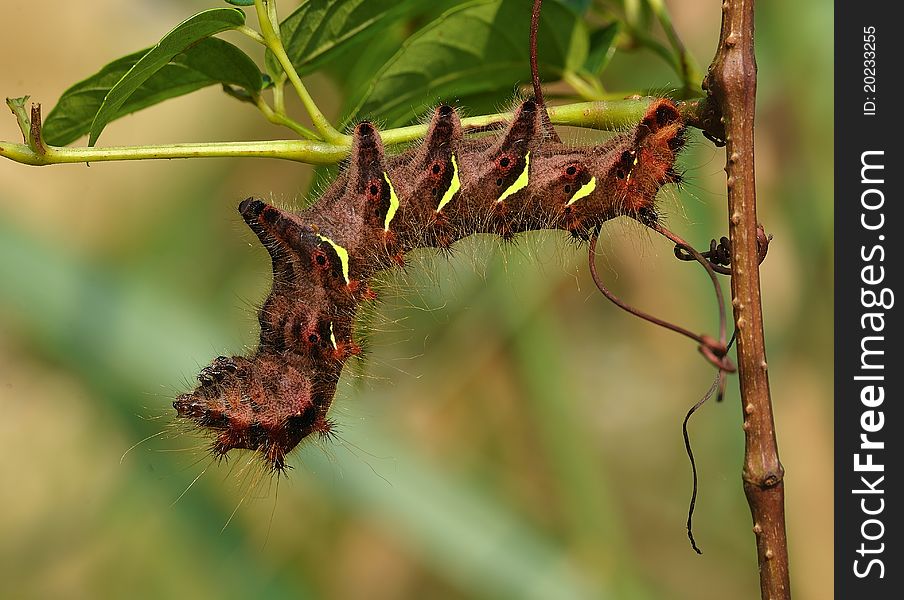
(731, 83)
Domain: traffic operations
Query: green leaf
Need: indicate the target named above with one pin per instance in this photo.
(353, 69)
(190, 31)
(317, 29)
(579, 6)
(208, 62)
(240, 2)
(602, 47)
(478, 47)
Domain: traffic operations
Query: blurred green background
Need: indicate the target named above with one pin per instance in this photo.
(510, 435)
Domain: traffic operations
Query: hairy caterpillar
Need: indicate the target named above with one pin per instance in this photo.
(451, 186)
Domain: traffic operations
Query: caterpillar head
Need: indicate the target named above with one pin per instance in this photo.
(646, 163)
(620, 178)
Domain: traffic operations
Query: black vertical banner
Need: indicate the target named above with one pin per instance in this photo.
(869, 261)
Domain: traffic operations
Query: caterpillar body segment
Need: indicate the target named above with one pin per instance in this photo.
(451, 186)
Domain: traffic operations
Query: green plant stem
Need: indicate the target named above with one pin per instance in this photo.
(252, 34)
(651, 43)
(613, 115)
(277, 114)
(307, 151)
(279, 117)
(688, 67)
(266, 14)
(279, 94)
(678, 58)
(585, 87)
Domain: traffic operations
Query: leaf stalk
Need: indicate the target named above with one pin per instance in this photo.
(266, 14)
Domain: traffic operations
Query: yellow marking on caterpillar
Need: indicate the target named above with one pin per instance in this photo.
(454, 186)
(519, 183)
(584, 191)
(634, 164)
(393, 202)
(341, 252)
(333, 337)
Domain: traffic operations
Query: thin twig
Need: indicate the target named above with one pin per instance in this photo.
(731, 81)
(627, 307)
(251, 34)
(706, 264)
(278, 117)
(690, 456)
(713, 350)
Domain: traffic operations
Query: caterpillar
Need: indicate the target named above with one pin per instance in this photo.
(519, 179)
